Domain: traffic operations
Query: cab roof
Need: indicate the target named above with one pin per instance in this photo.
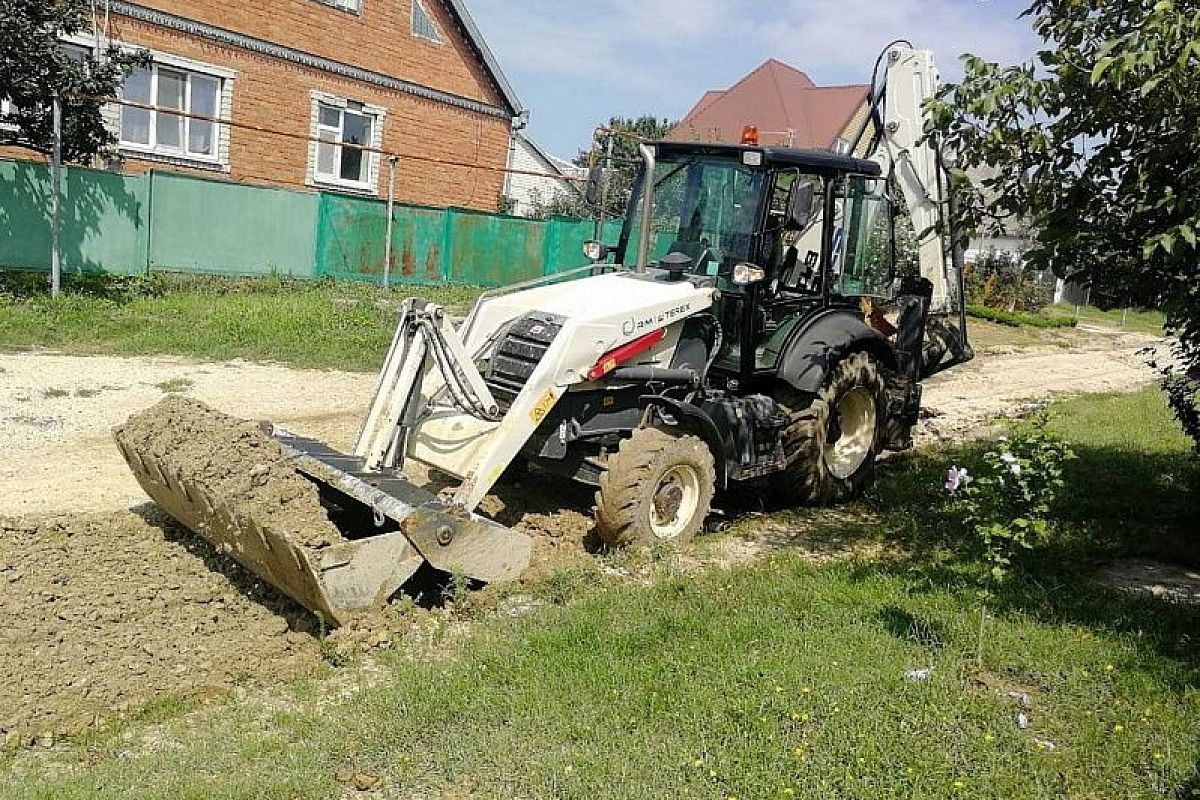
(822, 161)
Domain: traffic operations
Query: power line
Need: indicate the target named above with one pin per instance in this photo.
(308, 139)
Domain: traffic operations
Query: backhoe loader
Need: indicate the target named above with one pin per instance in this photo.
(759, 323)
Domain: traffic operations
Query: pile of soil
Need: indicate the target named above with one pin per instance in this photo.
(233, 460)
(105, 613)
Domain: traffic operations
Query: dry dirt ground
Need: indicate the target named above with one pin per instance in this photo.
(109, 605)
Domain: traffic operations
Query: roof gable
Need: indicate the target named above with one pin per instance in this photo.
(475, 38)
(777, 98)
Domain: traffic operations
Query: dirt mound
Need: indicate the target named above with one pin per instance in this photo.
(105, 613)
(231, 459)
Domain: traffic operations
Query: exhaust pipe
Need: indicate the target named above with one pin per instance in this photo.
(647, 205)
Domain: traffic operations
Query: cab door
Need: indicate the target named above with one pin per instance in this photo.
(863, 262)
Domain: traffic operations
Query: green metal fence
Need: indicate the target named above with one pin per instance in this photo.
(132, 224)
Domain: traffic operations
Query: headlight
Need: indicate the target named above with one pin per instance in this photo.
(744, 274)
(595, 251)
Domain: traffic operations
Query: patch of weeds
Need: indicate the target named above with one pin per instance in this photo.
(54, 392)
(87, 392)
(175, 385)
(456, 593)
(330, 653)
(565, 585)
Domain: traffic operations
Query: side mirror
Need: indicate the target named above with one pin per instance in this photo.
(799, 212)
(594, 190)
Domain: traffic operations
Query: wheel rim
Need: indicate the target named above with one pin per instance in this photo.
(674, 503)
(852, 434)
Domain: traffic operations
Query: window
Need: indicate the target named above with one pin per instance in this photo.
(353, 6)
(703, 206)
(7, 108)
(163, 132)
(423, 24)
(340, 124)
(864, 259)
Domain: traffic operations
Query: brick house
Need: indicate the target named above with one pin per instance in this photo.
(785, 104)
(412, 77)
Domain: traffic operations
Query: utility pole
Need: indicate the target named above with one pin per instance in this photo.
(604, 176)
(391, 208)
(56, 199)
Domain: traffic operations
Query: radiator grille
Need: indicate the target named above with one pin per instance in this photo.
(518, 353)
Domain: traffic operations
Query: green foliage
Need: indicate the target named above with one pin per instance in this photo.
(34, 68)
(1016, 319)
(626, 133)
(1096, 147)
(505, 204)
(1007, 505)
(562, 204)
(1005, 281)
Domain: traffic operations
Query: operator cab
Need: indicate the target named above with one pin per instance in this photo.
(782, 232)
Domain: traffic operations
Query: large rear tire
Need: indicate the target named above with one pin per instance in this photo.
(833, 442)
(657, 488)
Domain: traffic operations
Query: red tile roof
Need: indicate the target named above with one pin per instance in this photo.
(777, 98)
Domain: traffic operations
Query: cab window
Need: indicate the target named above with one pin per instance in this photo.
(794, 260)
(863, 253)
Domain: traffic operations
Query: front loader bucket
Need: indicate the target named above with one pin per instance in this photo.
(303, 517)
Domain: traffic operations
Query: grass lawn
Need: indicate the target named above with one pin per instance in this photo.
(318, 324)
(778, 680)
(1141, 321)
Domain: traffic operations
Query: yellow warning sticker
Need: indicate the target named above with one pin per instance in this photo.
(543, 407)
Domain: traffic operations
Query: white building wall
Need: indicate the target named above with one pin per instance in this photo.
(524, 189)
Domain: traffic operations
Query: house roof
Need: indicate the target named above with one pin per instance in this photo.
(777, 98)
(476, 40)
(560, 165)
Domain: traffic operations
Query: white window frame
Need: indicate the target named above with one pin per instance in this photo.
(371, 157)
(438, 36)
(7, 107)
(349, 6)
(182, 152)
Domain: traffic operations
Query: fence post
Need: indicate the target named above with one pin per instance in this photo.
(447, 254)
(391, 210)
(56, 199)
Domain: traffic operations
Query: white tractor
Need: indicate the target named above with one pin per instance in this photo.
(735, 335)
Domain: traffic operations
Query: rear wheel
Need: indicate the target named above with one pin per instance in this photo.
(656, 488)
(832, 444)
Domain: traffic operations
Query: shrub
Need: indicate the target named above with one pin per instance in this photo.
(1017, 319)
(1003, 280)
(1007, 506)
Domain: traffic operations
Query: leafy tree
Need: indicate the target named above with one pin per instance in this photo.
(1096, 145)
(627, 133)
(34, 68)
(560, 204)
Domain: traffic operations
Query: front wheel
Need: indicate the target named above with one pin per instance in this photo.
(656, 488)
(832, 444)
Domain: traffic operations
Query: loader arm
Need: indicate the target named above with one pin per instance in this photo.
(432, 403)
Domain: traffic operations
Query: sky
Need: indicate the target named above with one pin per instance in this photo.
(576, 63)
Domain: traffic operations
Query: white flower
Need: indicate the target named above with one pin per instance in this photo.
(956, 479)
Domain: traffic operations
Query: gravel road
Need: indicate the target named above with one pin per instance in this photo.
(57, 412)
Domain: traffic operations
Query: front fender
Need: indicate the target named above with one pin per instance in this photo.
(693, 419)
(826, 340)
